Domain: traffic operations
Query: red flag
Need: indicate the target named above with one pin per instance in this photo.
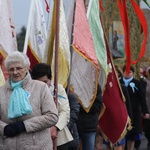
(33, 58)
(115, 118)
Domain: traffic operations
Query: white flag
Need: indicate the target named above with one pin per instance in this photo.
(7, 29)
(2, 79)
(36, 35)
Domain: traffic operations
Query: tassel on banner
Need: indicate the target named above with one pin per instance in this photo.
(47, 6)
(143, 23)
(125, 22)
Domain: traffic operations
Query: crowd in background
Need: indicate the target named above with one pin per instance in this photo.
(29, 118)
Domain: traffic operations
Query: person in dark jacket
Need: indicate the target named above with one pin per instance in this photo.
(72, 125)
(138, 103)
(128, 103)
(146, 122)
(143, 84)
(87, 122)
(142, 80)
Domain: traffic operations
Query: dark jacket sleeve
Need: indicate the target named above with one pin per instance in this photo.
(88, 121)
(143, 85)
(74, 109)
(128, 103)
(142, 98)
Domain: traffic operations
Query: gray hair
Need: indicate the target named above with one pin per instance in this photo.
(17, 57)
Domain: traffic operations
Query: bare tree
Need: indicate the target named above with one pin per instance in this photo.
(21, 39)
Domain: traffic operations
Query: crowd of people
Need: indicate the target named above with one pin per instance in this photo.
(30, 119)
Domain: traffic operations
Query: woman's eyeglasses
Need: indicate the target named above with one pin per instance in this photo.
(15, 69)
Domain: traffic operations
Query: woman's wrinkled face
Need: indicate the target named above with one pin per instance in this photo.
(17, 71)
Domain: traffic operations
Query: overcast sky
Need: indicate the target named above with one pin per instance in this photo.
(21, 12)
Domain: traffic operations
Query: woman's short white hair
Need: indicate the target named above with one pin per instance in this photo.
(17, 57)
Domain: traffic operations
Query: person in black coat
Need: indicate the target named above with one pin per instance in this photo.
(72, 125)
(88, 122)
(146, 122)
(138, 104)
(125, 92)
(142, 80)
(143, 84)
(128, 103)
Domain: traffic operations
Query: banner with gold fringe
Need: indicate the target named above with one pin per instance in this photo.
(84, 71)
(115, 107)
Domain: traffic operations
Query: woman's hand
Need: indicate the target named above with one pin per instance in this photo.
(54, 132)
(146, 116)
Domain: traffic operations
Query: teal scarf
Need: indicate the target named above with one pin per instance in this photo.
(19, 103)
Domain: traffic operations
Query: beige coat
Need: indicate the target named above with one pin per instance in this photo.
(64, 135)
(43, 116)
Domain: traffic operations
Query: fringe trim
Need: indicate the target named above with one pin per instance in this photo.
(123, 134)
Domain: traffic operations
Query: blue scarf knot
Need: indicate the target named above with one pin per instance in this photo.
(19, 103)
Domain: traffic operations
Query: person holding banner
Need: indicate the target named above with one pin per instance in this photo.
(146, 122)
(42, 72)
(74, 114)
(121, 144)
(138, 103)
(27, 108)
(88, 122)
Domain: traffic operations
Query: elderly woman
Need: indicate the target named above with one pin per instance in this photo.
(138, 105)
(27, 108)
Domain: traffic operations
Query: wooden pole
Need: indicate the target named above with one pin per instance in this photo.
(73, 6)
(57, 2)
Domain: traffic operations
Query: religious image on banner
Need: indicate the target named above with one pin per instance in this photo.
(116, 39)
